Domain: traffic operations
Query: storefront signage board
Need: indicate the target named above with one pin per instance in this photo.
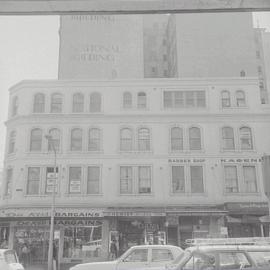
(249, 208)
(134, 214)
(240, 160)
(186, 160)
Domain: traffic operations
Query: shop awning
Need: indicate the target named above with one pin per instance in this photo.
(197, 212)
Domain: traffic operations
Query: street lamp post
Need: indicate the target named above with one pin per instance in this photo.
(50, 251)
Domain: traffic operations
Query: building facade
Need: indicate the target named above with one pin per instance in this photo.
(140, 161)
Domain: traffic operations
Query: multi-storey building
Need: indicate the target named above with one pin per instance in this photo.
(140, 160)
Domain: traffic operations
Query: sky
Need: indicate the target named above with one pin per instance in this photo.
(29, 47)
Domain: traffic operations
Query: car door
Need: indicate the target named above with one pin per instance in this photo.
(136, 259)
(160, 256)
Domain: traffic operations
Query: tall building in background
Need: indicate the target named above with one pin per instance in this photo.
(101, 47)
(262, 43)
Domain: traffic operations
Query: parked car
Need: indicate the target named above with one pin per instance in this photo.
(9, 260)
(139, 257)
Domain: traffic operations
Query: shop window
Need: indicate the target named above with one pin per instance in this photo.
(56, 103)
(143, 139)
(141, 101)
(194, 138)
(231, 179)
(225, 99)
(127, 100)
(84, 242)
(51, 180)
(126, 139)
(250, 181)
(228, 138)
(176, 139)
(240, 98)
(75, 179)
(15, 105)
(161, 255)
(93, 180)
(95, 102)
(76, 139)
(36, 140)
(54, 142)
(144, 179)
(33, 181)
(39, 103)
(12, 141)
(126, 181)
(178, 179)
(246, 138)
(78, 103)
(138, 255)
(94, 139)
(196, 179)
(233, 260)
(9, 176)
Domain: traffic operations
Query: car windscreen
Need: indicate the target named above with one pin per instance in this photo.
(262, 258)
(10, 256)
(179, 258)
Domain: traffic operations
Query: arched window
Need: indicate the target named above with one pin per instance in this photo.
(141, 101)
(78, 103)
(15, 105)
(95, 102)
(76, 139)
(94, 140)
(240, 98)
(143, 139)
(228, 138)
(127, 100)
(176, 139)
(36, 140)
(126, 139)
(225, 99)
(246, 138)
(12, 140)
(56, 103)
(54, 143)
(195, 138)
(39, 103)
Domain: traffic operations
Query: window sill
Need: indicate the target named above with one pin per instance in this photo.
(242, 194)
(83, 195)
(132, 152)
(136, 194)
(188, 194)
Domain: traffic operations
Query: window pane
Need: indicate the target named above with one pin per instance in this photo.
(51, 180)
(94, 140)
(226, 101)
(76, 140)
(246, 138)
(228, 138)
(78, 103)
(194, 138)
(54, 142)
(178, 179)
(127, 100)
(178, 99)
(240, 98)
(126, 180)
(75, 176)
(144, 180)
(95, 102)
(176, 139)
(160, 255)
(33, 180)
(56, 103)
(9, 176)
(12, 139)
(250, 181)
(200, 98)
(231, 179)
(141, 100)
(93, 180)
(168, 99)
(190, 100)
(139, 255)
(39, 103)
(144, 139)
(36, 140)
(233, 260)
(196, 178)
(126, 140)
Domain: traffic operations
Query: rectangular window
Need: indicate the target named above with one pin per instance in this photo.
(144, 179)
(168, 99)
(75, 177)
(231, 179)
(196, 179)
(33, 181)
(178, 99)
(51, 180)
(250, 181)
(93, 180)
(200, 99)
(126, 180)
(189, 99)
(9, 175)
(178, 179)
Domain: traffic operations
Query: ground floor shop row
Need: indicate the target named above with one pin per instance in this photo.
(81, 235)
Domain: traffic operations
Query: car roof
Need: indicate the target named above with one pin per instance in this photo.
(229, 247)
(155, 246)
